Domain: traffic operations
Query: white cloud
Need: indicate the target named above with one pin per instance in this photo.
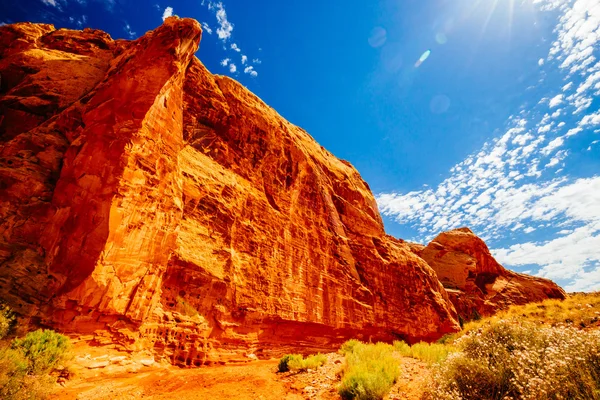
(554, 144)
(541, 62)
(555, 101)
(573, 131)
(558, 157)
(129, 31)
(224, 33)
(80, 22)
(206, 28)
(250, 70)
(225, 27)
(167, 13)
(545, 128)
(591, 119)
(52, 3)
(256, 61)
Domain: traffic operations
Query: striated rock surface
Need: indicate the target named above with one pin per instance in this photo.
(149, 203)
(476, 283)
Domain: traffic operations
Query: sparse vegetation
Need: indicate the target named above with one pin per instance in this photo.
(43, 350)
(539, 351)
(521, 360)
(26, 364)
(370, 371)
(185, 308)
(580, 310)
(7, 320)
(295, 362)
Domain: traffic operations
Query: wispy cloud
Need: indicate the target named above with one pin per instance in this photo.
(80, 22)
(514, 185)
(168, 12)
(225, 27)
(224, 33)
(225, 61)
(206, 28)
(52, 3)
(129, 31)
(61, 5)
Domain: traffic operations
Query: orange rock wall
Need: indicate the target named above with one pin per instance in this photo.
(154, 204)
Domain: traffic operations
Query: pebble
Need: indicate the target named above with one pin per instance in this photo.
(147, 362)
(98, 364)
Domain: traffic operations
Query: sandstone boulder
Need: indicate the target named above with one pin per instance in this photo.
(476, 283)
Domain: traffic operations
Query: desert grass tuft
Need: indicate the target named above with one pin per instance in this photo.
(430, 353)
(370, 371)
(295, 362)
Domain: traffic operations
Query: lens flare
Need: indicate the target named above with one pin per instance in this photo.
(439, 104)
(423, 57)
(378, 37)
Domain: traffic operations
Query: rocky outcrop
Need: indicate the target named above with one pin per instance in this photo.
(149, 203)
(476, 283)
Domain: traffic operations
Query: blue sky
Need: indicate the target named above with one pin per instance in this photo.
(496, 128)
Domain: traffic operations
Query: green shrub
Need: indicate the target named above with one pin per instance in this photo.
(13, 368)
(348, 346)
(431, 353)
(295, 362)
(521, 360)
(447, 339)
(185, 308)
(7, 320)
(16, 383)
(43, 350)
(284, 361)
(370, 372)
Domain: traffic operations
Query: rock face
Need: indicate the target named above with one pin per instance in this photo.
(150, 203)
(475, 282)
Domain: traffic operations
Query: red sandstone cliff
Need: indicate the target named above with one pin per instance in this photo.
(475, 282)
(152, 203)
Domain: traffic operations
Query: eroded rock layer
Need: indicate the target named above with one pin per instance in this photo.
(152, 204)
(476, 283)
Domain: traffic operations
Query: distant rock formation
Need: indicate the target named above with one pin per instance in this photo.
(150, 203)
(475, 282)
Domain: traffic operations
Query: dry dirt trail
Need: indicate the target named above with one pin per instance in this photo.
(256, 380)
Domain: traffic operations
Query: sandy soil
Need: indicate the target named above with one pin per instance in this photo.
(256, 380)
(127, 377)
